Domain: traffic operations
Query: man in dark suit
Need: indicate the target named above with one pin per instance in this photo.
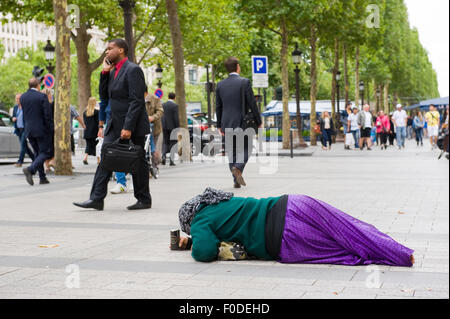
(122, 83)
(230, 114)
(170, 121)
(37, 118)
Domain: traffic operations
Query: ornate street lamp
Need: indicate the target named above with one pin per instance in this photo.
(297, 59)
(361, 89)
(159, 75)
(338, 78)
(49, 50)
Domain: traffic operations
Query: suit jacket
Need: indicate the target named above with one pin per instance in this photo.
(155, 109)
(15, 109)
(126, 98)
(229, 108)
(37, 114)
(170, 119)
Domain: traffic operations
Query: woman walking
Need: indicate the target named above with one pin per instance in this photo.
(418, 124)
(90, 118)
(383, 128)
(326, 126)
(288, 229)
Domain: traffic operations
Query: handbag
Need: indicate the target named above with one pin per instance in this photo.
(122, 157)
(249, 119)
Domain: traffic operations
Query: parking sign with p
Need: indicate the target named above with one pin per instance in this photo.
(260, 70)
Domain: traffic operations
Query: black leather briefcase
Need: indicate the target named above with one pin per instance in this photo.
(122, 156)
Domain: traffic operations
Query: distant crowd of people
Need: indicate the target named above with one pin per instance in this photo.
(364, 129)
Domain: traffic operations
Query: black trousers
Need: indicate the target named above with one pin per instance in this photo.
(383, 138)
(140, 178)
(238, 156)
(168, 145)
(42, 147)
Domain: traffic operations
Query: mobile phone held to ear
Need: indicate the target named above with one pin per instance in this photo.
(108, 62)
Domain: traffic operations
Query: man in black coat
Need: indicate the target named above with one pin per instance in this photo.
(170, 121)
(230, 114)
(37, 118)
(123, 84)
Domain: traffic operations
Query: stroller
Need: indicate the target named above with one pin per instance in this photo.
(150, 154)
(442, 142)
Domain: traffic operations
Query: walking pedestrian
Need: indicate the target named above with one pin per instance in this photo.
(354, 127)
(400, 121)
(91, 121)
(38, 128)
(231, 93)
(391, 134)
(170, 121)
(365, 123)
(122, 83)
(419, 123)
(409, 128)
(434, 121)
(347, 132)
(19, 130)
(155, 111)
(288, 229)
(383, 128)
(326, 126)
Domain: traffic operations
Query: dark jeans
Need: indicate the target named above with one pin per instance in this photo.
(140, 178)
(239, 156)
(42, 147)
(419, 135)
(326, 136)
(383, 138)
(168, 145)
(23, 146)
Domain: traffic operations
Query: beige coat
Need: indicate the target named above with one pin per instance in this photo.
(154, 108)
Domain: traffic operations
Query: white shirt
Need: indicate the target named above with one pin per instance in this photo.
(368, 119)
(399, 118)
(353, 118)
(327, 123)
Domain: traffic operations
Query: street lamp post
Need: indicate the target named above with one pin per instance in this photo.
(361, 89)
(49, 50)
(338, 78)
(297, 59)
(378, 98)
(159, 75)
(208, 95)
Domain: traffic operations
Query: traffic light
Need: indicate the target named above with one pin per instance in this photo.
(37, 73)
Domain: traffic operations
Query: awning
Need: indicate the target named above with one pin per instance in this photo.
(276, 107)
(425, 105)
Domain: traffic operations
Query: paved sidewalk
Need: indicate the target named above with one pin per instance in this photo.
(51, 249)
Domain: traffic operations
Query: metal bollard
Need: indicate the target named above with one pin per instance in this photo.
(292, 143)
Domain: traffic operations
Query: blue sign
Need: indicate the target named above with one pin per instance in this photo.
(159, 93)
(260, 70)
(259, 65)
(49, 81)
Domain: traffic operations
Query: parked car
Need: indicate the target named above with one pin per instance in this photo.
(9, 143)
(197, 126)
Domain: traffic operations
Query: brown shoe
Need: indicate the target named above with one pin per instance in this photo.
(238, 176)
(237, 185)
(18, 165)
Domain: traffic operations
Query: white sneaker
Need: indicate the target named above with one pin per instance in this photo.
(119, 189)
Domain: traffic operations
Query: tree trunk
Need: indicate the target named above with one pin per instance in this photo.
(128, 6)
(357, 77)
(178, 60)
(81, 41)
(285, 83)
(334, 83)
(313, 91)
(63, 155)
(84, 68)
(346, 80)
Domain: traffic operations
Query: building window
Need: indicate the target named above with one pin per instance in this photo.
(193, 76)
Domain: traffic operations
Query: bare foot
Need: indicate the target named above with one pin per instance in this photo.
(412, 259)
